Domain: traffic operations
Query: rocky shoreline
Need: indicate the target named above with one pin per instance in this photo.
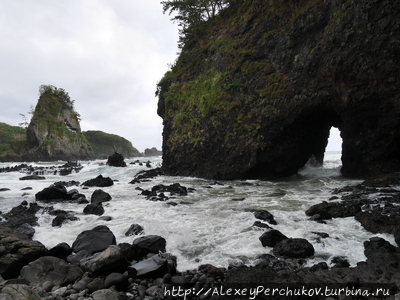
(97, 267)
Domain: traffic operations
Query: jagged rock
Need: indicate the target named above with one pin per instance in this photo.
(62, 217)
(110, 259)
(21, 214)
(116, 160)
(272, 238)
(311, 67)
(294, 248)
(135, 229)
(54, 132)
(95, 240)
(18, 291)
(48, 268)
(148, 244)
(16, 251)
(265, 216)
(52, 193)
(325, 210)
(99, 181)
(154, 267)
(100, 196)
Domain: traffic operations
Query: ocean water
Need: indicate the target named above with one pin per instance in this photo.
(208, 225)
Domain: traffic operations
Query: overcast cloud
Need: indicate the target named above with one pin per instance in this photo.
(108, 55)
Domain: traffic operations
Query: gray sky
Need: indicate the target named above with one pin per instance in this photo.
(107, 54)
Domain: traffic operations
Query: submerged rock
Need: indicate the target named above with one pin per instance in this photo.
(99, 181)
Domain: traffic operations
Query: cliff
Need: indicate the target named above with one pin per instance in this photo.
(12, 142)
(54, 132)
(256, 93)
(105, 144)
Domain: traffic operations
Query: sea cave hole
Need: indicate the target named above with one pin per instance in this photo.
(333, 150)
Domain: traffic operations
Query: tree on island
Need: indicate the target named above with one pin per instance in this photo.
(191, 13)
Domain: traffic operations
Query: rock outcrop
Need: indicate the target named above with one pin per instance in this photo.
(255, 93)
(54, 132)
(105, 144)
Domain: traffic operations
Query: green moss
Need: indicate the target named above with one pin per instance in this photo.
(104, 144)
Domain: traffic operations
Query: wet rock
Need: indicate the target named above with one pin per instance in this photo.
(94, 209)
(4, 189)
(116, 160)
(376, 222)
(261, 225)
(294, 248)
(52, 193)
(325, 210)
(26, 229)
(17, 250)
(111, 259)
(265, 215)
(62, 217)
(148, 244)
(135, 229)
(21, 214)
(118, 280)
(94, 240)
(32, 177)
(61, 250)
(18, 291)
(99, 181)
(99, 196)
(211, 271)
(96, 284)
(272, 238)
(154, 267)
(52, 269)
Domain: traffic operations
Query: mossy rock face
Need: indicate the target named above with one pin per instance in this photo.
(256, 93)
(105, 144)
(54, 132)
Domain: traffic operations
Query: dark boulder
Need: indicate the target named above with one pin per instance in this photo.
(265, 216)
(52, 193)
(118, 280)
(22, 215)
(135, 229)
(272, 238)
(109, 260)
(294, 248)
(116, 160)
(148, 244)
(325, 210)
(62, 217)
(94, 209)
(27, 230)
(16, 252)
(100, 196)
(99, 181)
(376, 222)
(62, 251)
(53, 269)
(95, 240)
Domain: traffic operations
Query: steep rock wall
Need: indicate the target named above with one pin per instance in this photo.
(54, 132)
(256, 94)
